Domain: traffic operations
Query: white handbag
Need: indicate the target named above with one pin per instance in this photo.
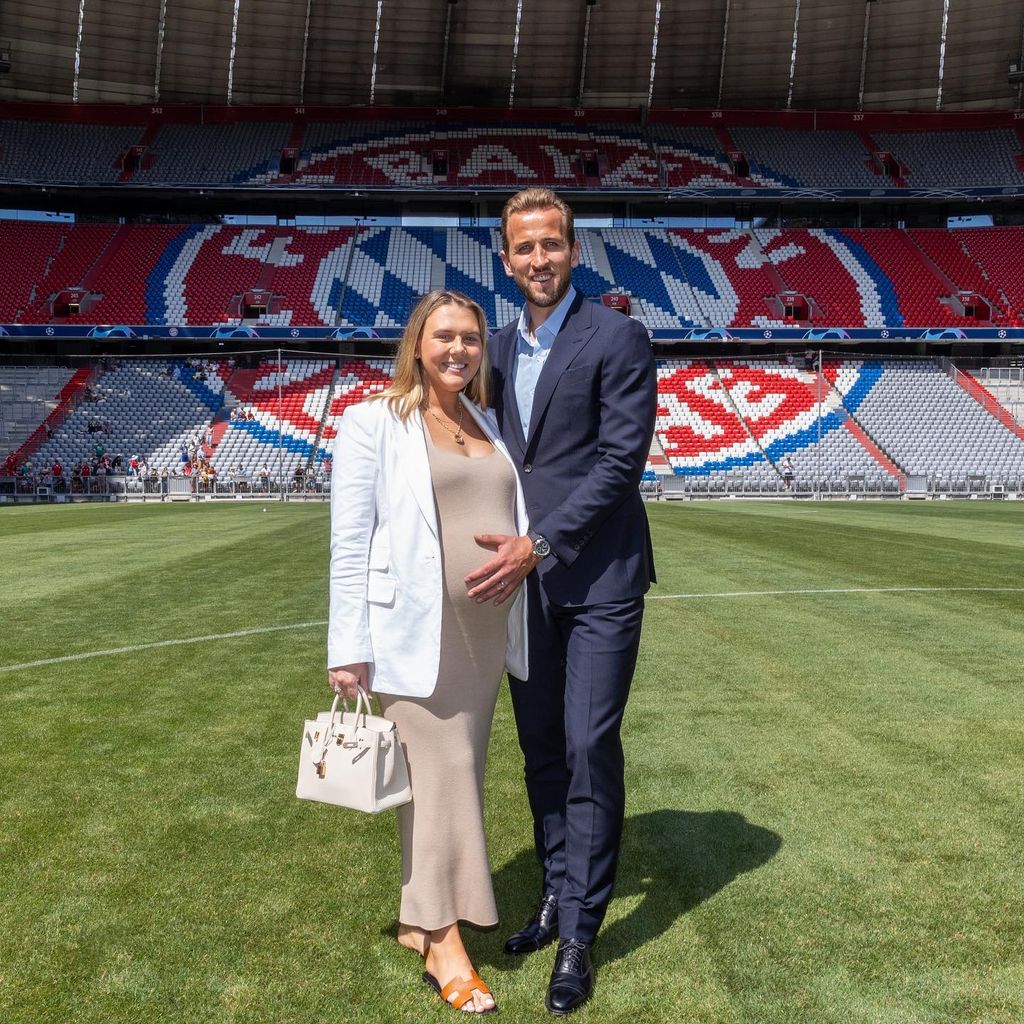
(354, 760)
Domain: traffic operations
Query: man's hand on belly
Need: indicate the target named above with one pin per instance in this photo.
(498, 579)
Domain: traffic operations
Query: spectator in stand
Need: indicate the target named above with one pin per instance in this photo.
(133, 466)
(264, 475)
(56, 470)
(788, 471)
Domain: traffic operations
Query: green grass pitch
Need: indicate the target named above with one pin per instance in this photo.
(824, 819)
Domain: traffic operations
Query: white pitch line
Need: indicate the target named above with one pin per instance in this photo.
(158, 643)
(842, 590)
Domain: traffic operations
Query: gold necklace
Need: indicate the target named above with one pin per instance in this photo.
(457, 434)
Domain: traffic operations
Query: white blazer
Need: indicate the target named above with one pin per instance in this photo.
(385, 572)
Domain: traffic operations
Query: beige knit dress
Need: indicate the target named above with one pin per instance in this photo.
(446, 876)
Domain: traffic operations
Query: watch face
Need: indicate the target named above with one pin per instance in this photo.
(541, 548)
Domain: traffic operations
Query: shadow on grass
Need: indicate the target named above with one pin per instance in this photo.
(675, 859)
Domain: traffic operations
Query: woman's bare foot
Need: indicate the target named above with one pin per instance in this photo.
(447, 959)
(416, 939)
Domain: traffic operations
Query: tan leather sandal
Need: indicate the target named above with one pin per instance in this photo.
(463, 989)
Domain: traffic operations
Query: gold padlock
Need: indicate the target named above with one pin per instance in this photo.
(321, 769)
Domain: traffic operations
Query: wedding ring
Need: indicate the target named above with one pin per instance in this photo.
(501, 583)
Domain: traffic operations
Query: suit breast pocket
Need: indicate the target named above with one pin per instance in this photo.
(577, 381)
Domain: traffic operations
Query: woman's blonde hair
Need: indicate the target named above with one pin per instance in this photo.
(408, 391)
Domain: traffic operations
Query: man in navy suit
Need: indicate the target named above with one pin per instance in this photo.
(575, 397)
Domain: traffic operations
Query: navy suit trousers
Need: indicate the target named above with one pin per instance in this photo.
(569, 715)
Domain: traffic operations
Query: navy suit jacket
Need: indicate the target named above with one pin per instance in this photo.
(583, 456)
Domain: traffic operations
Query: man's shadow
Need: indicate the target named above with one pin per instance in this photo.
(674, 859)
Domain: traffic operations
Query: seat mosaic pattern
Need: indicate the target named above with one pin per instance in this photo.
(678, 279)
(287, 407)
(745, 415)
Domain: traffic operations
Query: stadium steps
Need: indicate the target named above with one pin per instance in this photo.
(325, 416)
(873, 147)
(219, 426)
(725, 140)
(993, 285)
(926, 259)
(983, 397)
(107, 254)
(599, 255)
(857, 429)
(656, 459)
(145, 141)
(67, 400)
(854, 428)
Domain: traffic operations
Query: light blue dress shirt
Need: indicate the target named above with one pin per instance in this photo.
(531, 355)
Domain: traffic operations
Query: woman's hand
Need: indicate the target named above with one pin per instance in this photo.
(346, 678)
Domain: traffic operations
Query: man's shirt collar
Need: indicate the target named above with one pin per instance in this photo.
(548, 330)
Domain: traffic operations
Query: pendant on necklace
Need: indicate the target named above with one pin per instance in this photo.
(459, 439)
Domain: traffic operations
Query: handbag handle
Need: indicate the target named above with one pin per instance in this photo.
(362, 702)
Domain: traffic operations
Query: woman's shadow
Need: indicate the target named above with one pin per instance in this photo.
(674, 859)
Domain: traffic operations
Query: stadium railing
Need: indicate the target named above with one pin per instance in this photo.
(118, 487)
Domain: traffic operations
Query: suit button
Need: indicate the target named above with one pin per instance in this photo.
(528, 467)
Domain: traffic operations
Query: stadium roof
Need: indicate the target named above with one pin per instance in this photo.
(803, 54)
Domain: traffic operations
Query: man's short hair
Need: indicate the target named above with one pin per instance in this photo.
(537, 199)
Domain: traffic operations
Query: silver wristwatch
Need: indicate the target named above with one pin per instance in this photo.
(541, 548)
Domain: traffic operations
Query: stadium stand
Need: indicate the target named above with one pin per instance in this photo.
(997, 251)
(26, 250)
(79, 247)
(945, 159)
(28, 394)
(698, 425)
(645, 266)
(840, 288)
(948, 253)
(53, 152)
(119, 290)
(677, 278)
(723, 425)
(732, 279)
(929, 425)
(821, 159)
(309, 276)
(287, 413)
(922, 291)
(368, 153)
(417, 152)
(218, 154)
(148, 407)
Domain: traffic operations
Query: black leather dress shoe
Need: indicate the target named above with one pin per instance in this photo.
(541, 929)
(572, 980)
